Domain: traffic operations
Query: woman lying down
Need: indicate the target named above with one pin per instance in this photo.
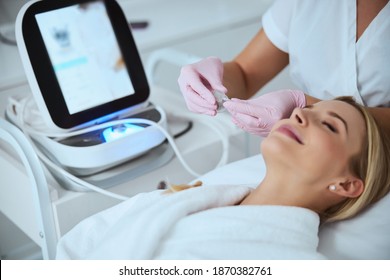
(325, 163)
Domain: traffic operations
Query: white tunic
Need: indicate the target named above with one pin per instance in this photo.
(325, 59)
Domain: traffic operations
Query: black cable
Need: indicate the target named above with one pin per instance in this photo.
(181, 133)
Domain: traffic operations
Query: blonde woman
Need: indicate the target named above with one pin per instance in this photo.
(327, 162)
(336, 165)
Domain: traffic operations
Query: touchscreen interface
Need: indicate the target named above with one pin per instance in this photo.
(85, 55)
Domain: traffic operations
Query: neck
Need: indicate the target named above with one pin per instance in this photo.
(287, 189)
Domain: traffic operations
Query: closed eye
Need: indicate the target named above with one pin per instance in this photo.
(335, 115)
(330, 127)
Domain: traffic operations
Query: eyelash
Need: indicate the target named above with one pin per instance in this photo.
(330, 127)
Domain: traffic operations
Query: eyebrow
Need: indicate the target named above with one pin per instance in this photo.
(334, 114)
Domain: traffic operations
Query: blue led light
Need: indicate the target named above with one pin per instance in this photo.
(116, 132)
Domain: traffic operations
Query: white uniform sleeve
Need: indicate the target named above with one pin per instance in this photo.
(276, 22)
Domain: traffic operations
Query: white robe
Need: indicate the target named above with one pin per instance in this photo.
(200, 223)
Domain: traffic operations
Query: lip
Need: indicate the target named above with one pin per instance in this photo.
(290, 132)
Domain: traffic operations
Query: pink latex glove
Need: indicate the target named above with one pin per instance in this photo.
(197, 83)
(258, 115)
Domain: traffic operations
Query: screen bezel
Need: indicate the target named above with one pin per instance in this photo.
(46, 77)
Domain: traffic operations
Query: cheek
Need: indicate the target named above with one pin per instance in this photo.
(321, 156)
(326, 156)
(323, 144)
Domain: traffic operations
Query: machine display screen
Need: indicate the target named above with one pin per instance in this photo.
(85, 55)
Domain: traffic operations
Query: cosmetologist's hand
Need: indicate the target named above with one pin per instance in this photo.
(258, 115)
(199, 81)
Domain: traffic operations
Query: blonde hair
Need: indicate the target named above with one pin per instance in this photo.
(372, 166)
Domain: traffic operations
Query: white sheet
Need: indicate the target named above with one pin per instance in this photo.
(179, 226)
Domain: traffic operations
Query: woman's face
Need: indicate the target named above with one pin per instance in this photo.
(316, 142)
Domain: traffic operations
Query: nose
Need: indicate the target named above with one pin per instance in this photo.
(299, 116)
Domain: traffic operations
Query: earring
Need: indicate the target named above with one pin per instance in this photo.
(332, 187)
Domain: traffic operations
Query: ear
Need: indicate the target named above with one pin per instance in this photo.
(351, 187)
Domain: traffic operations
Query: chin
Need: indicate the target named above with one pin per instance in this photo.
(274, 147)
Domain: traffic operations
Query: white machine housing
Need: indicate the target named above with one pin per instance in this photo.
(87, 158)
(95, 155)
